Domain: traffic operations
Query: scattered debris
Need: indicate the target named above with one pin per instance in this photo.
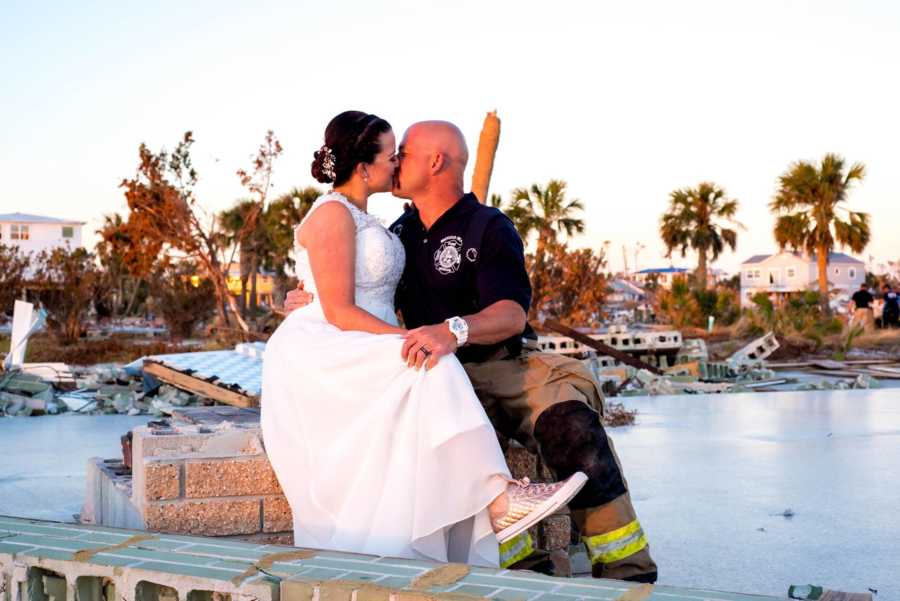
(156, 385)
(25, 324)
(819, 593)
(616, 414)
(752, 355)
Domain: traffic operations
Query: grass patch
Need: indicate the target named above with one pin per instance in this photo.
(114, 349)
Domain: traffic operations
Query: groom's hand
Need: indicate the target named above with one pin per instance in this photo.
(425, 345)
(297, 298)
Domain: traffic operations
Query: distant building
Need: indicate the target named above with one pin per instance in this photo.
(622, 291)
(35, 233)
(663, 276)
(265, 283)
(625, 301)
(790, 272)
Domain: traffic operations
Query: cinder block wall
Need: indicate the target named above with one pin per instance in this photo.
(220, 483)
(212, 484)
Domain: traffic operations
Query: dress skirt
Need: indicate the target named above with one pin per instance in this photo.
(376, 457)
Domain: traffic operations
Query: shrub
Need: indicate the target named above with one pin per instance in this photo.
(182, 298)
(67, 282)
(683, 307)
(13, 265)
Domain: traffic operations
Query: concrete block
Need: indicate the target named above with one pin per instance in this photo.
(210, 517)
(556, 532)
(231, 477)
(227, 443)
(522, 462)
(162, 481)
(337, 590)
(297, 590)
(108, 500)
(277, 516)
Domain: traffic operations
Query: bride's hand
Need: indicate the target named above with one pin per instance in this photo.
(297, 298)
(426, 345)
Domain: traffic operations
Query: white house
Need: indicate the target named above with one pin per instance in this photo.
(622, 291)
(664, 276)
(788, 272)
(35, 233)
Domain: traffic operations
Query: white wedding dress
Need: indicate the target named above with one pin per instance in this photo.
(373, 456)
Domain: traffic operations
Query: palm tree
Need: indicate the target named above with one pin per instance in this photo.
(281, 217)
(692, 222)
(808, 202)
(547, 211)
(518, 213)
(234, 223)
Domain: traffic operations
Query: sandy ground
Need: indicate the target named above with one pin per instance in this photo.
(711, 476)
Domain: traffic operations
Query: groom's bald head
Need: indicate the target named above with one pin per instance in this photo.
(433, 154)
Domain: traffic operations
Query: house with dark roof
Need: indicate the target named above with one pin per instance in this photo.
(787, 273)
(35, 233)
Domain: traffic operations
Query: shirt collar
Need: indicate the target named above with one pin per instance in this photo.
(466, 203)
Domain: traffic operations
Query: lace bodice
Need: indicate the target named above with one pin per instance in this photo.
(379, 261)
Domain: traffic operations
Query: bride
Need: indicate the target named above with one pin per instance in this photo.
(374, 456)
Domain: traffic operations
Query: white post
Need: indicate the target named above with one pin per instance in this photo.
(22, 322)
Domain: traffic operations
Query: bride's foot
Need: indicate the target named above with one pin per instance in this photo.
(524, 504)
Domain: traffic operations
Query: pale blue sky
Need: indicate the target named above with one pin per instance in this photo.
(624, 100)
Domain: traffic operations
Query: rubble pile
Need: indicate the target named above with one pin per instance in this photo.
(747, 370)
(92, 390)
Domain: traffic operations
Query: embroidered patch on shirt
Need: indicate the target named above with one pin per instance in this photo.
(448, 257)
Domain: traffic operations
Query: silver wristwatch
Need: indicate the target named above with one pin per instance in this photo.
(459, 328)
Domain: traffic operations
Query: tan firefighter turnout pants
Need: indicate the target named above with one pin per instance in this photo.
(551, 404)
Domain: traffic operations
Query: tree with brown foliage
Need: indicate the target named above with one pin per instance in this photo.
(66, 283)
(568, 285)
(163, 204)
(128, 259)
(13, 267)
(258, 181)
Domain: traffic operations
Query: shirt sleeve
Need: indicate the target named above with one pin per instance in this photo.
(501, 271)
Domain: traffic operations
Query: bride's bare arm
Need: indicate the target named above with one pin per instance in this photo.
(329, 236)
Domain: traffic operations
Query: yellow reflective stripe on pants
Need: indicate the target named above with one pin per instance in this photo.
(516, 549)
(616, 545)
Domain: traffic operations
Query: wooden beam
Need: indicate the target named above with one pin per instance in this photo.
(195, 385)
(552, 324)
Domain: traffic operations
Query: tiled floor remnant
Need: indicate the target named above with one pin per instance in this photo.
(240, 368)
(39, 561)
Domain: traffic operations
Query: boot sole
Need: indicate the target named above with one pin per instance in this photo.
(561, 497)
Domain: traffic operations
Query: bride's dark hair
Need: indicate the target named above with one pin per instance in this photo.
(351, 138)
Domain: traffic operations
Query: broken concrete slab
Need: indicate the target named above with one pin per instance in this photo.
(753, 354)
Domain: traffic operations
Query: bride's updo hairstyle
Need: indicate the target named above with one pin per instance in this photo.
(351, 138)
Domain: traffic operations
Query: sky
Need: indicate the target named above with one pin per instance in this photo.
(625, 101)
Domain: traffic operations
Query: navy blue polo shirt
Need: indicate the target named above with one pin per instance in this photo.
(447, 274)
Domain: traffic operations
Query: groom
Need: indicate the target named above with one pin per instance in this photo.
(465, 290)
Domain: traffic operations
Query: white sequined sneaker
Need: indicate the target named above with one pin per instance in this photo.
(530, 502)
